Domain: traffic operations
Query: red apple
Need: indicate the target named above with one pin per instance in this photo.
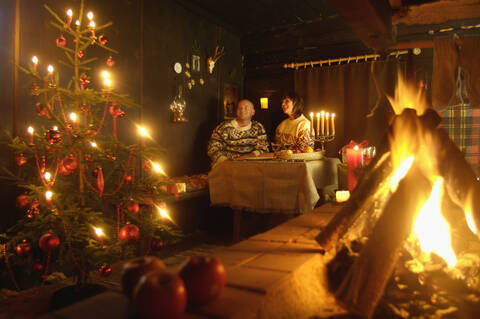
(204, 278)
(136, 268)
(160, 294)
(296, 151)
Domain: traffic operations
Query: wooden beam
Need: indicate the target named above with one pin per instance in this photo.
(369, 19)
(417, 44)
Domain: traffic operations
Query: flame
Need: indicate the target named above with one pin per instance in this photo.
(400, 172)
(407, 97)
(432, 229)
(469, 215)
(98, 231)
(163, 213)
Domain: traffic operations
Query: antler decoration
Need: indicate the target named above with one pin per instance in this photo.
(219, 52)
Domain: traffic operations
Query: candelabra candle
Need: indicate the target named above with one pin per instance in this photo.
(323, 122)
(318, 124)
(312, 129)
(333, 123)
(327, 117)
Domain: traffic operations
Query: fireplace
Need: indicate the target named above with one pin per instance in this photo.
(406, 243)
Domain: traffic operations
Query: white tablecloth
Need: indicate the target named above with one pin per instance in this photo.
(271, 185)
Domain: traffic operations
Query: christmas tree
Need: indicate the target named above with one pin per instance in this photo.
(87, 199)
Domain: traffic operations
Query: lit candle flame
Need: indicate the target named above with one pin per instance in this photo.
(30, 130)
(157, 168)
(34, 59)
(143, 131)
(50, 68)
(47, 176)
(90, 15)
(322, 113)
(77, 22)
(48, 195)
(92, 24)
(105, 74)
(73, 117)
(163, 213)
(333, 115)
(55, 128)
(107, 82)
(93, 144)
(69, 13)
(98, 231)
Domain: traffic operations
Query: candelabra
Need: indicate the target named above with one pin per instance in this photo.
(322, 139)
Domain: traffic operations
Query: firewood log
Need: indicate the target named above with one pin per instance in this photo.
(374, 174)
(366, 188)
(460, 179)
(366, 279)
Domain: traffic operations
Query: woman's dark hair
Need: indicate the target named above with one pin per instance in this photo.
(297, 103)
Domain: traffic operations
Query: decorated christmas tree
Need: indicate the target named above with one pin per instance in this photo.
(87, 199)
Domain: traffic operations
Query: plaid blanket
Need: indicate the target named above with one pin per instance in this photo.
(463, 126)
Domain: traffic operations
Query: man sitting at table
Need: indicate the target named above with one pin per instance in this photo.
(238, 138)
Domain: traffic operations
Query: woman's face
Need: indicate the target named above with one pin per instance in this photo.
(287, 106)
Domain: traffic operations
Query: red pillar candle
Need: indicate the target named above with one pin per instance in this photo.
(354, 164)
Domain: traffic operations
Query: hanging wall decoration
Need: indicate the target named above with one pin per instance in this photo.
(219, 52)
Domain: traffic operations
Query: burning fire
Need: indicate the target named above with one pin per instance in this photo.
(432, 229)
(409, 143)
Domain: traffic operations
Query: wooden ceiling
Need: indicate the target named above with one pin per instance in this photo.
(274, 32)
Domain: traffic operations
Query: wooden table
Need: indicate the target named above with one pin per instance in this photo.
(270, 185)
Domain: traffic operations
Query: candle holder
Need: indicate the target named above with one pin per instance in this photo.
(322, 139)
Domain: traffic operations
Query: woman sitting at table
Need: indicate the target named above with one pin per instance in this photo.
(295, 131)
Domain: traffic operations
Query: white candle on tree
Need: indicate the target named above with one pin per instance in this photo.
(333, 123)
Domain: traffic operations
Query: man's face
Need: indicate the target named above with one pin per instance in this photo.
(245, 110)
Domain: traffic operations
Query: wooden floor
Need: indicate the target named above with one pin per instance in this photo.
(275, 274)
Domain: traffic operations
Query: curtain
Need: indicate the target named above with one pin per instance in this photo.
(351, 92)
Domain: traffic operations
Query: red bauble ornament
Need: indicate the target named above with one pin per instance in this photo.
(64, 171)
(157, 244)
(129, 233)
(70, 163)
(34, 90)
(204, 278)
(102, 39)
(37, 267)
(136, 268)
(61, 41)
(105, 270)
(23, 201)
(160, 295)
(133, 207)
(53, 136)
(48, 242)
(110, 61)
(80, 54)
(20, 160)
(23, 248)
(95, 172)
(128, 178)
(41, 109)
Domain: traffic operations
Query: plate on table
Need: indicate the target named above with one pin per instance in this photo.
(300, 156)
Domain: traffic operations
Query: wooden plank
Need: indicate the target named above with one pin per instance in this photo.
(369, 19)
